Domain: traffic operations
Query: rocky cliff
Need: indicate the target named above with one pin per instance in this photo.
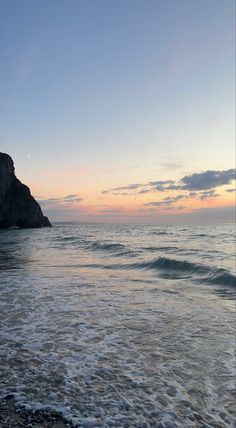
(17, 205)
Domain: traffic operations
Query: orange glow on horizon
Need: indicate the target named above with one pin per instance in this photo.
(96, 203)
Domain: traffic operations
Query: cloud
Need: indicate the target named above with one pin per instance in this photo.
(208, 179)
(157, 186)
(208, 194)
(171, 200)
(193, 194)
(120, 193)
(161, 186)
(73, 200)
(166, 201)
(231, 190)
(144, 191)
(160, 183)
(70, 196)
(58, 201)
(194, 183)
(117, 190)
(173, 187)
(179, 207)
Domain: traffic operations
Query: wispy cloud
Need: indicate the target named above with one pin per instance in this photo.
(161, 186)
(70, 196)
(166, 201)
(208, 194)
(175, 208)
(160, 183)
(56, 201)
(118, 189)
(194, 183)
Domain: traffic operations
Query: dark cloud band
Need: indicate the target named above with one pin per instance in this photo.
(204, 181)
(208, 180)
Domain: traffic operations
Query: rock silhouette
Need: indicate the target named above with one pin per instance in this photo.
(18, 208)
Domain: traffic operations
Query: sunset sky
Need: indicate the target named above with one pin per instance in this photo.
(121, 111)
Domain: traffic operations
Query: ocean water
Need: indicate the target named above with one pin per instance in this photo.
(120, 325)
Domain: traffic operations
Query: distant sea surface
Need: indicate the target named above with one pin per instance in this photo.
(120, 325)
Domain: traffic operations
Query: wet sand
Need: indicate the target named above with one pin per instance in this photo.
(12, 416)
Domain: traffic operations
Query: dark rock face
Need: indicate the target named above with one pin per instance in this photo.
(17, 205)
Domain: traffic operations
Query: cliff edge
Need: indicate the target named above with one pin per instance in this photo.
(17, 206)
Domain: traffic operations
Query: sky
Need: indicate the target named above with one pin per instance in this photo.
(121, 111)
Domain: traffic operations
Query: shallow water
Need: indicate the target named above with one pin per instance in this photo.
(117, 325)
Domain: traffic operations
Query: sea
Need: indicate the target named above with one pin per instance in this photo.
(120, 325)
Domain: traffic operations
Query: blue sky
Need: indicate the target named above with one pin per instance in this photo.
(117, 92)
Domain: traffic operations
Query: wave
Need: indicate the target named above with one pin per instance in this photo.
(105, 246)
(173, 265)
(178, 269)
(172, 249)
(222, 277)
(161, 232)
(91, 245)
(169, 248)
(171, 268)
(66, 238)
(205, 274)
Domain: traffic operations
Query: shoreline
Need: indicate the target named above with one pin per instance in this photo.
(15, 416)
